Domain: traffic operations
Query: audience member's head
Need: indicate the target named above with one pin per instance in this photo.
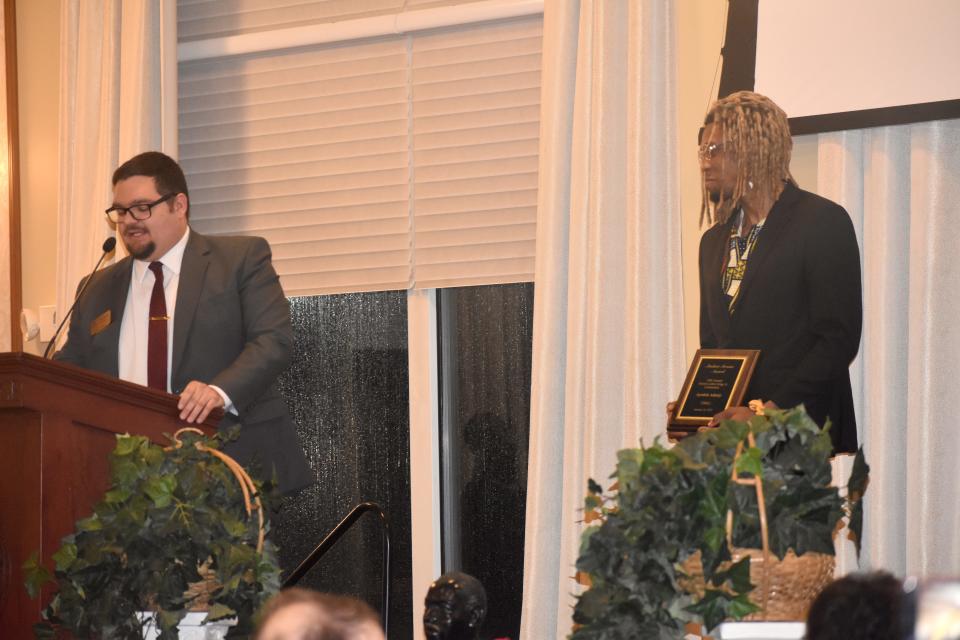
(455, 607)
(301, 614)
(858, 606)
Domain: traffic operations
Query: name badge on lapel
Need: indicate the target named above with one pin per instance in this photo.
(101, 322)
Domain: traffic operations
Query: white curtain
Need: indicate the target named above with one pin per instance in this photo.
(901, 186)
(118, 98)
(608, 320)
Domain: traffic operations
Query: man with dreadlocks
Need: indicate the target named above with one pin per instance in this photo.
(779, 268)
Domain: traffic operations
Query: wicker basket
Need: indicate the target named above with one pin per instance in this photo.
(784, 588)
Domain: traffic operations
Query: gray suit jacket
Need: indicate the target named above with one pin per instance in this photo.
(231, 329)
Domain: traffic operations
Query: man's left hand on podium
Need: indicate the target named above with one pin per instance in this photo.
(197, 401)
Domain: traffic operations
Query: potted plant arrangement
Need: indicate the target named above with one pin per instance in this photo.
(672, 541)
(181, 527)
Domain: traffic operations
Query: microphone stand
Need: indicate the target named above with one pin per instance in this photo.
(108, 246)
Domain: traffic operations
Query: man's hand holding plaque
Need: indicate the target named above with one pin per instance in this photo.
(714, 390)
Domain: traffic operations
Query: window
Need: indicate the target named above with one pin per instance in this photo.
(347, 391)
(486, 345)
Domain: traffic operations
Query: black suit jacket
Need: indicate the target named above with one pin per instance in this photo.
(231, 329)
(799, 304)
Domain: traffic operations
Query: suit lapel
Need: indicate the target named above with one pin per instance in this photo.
(774, 229)
(716, 262)
(193, 271)
(117, 290)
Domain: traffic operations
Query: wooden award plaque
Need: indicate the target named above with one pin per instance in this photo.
(717, 379)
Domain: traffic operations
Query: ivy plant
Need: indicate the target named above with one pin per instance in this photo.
(167, 512)
(668, 503)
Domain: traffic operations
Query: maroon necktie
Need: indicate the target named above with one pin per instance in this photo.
(157, 333)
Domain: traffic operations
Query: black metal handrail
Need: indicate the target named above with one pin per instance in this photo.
(331, 540)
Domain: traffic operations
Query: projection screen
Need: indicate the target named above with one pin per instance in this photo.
(847, 64)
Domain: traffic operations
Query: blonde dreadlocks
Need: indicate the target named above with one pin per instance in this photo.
(756, 129)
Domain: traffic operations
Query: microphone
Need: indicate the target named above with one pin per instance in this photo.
(108, 246)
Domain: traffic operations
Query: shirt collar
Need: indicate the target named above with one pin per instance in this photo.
(739, 225)
(172, 259)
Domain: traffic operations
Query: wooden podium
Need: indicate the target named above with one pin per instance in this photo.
(58, 423)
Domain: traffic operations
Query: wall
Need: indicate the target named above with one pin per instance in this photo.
(38, 62)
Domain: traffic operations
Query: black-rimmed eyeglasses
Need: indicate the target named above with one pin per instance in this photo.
(139, 211)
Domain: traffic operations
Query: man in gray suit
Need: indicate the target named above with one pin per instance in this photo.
(201, 317)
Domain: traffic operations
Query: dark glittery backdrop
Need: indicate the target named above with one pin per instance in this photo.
(348, 392)
(487, 392)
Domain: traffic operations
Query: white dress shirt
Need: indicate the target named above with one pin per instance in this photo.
(134, 328)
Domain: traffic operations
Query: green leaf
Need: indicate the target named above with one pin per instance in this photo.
(686, 459)
(859, 477)
(856, 525)
(116, 496)
(739, 576)
(127, 444)
(160, 489)
(751, 461)
(585, 538)
(125, 471)
(712, 608)
(65, 557)
(153, 456)
(629, 462)
(35, 575)
(93, 523)
(634, 456)
(219, 612)
(234, 526)
(591, 604)
(713, 504)
(741, 606)
(170, 619)
(714, 537)
(593, 487)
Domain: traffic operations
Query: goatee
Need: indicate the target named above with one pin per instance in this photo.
(145, 251)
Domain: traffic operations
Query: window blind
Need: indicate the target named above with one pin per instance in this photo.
(386, 163)
(308, 150)
(476, 114)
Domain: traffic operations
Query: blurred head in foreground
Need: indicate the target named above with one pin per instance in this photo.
(858, 606)
(301, 614)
